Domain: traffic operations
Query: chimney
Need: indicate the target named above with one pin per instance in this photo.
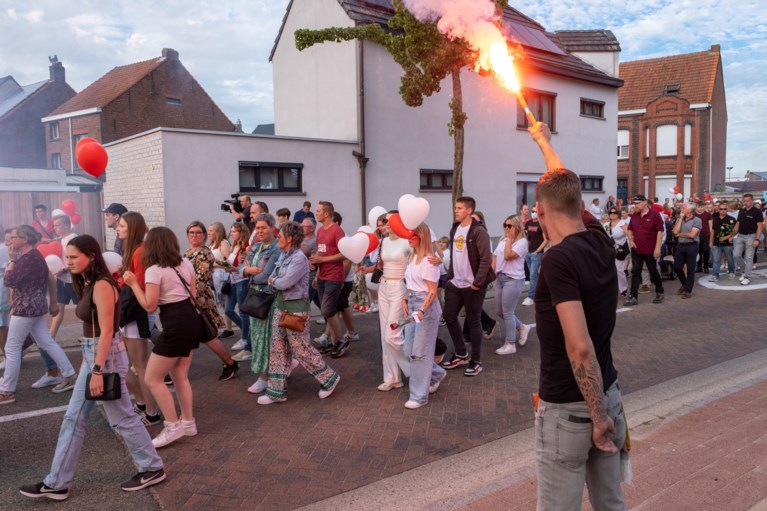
(56, 70)
(238, 126)
(170, 54)
(715, 48)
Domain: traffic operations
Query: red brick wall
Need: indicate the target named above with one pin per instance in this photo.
(89, 125)
(22, 135)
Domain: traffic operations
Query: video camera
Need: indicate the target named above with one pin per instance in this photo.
(234, 201)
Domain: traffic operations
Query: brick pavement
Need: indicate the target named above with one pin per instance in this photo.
(713, 458)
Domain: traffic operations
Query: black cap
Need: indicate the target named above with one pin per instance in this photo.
(115, 209)
(638, 198)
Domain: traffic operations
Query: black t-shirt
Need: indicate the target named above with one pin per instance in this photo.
(580, 268)
(723, 227)
(748, 218)
(534, 235)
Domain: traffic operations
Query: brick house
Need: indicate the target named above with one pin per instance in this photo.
(672, 125)
(132, 99)
(22, 137)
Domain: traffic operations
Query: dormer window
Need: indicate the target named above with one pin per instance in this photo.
(672, 88)
(174, 101)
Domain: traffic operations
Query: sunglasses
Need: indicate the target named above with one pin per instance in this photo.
(508, 226)
(613, 212)
(722, 209)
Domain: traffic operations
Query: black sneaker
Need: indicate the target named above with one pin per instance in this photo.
(226, 334)
(658, 298)
(151, 420)
(139, 408)
(474, 369)
(40, 490)
(631, 300)
(168, 380)
(230, 371)
(143, 480)
(455, 361)
(326, 350)
(340, 348)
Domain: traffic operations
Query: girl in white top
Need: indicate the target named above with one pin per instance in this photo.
(509, 265)
(617, 228)
(393, 256)
(182, 329)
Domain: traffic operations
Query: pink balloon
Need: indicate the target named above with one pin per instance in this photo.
(413, 210)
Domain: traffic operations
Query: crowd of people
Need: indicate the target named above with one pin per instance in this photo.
(145, 319)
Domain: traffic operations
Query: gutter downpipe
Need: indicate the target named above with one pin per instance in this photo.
(362, 159)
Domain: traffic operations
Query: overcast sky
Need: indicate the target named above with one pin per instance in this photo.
(225, 44)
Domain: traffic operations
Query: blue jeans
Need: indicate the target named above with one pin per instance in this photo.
(420, 340)
(716, 259)
(236, 297)
(533, 261)
(567, 458)
(119, 413)
(507, 293)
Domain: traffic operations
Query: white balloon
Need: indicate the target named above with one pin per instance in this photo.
(679, 196)
(374, 214)
(55, 264)
(671, 190)
(370, 284)
(354, 247)
(57, 212)
(413, 210)
(113, 261)
(366, 228)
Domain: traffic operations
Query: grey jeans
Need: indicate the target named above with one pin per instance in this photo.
(744, 253)
(567, 457)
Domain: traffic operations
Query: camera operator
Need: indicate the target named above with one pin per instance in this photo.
(244, 214)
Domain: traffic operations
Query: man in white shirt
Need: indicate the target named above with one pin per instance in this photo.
(595, 210)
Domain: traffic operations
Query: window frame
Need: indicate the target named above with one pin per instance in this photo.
(533, 97)
(54, 130)
(281, 167)
(600, 179)
(54, 157)
(593, 103)
(75, 140)
(173, 101)
(430, 173)
(622, 157)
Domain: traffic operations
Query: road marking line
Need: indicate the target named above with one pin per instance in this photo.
(34, 413)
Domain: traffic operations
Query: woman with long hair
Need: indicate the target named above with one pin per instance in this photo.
(170, 285)
(202, 259)
(27, 275)
(421, 303)
(509, 266)
(259, 264)
(220, 247)
(134, 323)
(617, 228)
(290, 279)
(239, 233)
(99, 309)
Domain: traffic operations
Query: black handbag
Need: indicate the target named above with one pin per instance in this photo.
(226, 287)
(257, 303)
(622, 251)
(378, 270)
(112, 387)
(209, 330)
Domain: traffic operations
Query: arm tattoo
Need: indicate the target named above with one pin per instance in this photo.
(589, 379)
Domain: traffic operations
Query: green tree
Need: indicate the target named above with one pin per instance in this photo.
(426, 56)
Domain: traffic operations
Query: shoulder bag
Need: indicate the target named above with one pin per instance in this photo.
(621, 251)
(112, 387)
(210, 331)
(378, 270)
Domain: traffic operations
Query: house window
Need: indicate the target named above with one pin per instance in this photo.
(687, 139)
(525, 193)
(75, 140)
(269, 177)
(665, 140)
(542, 105)
(55, 135)
(174, 101)
(56, 160)
(435, 179)
(672, 88)
(591, 183)
(592, 108)
(623, 144)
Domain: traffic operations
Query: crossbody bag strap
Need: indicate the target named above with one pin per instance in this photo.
(186, 286)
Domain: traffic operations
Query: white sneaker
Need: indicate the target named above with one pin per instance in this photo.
(349, 336)
(258, 387)
(507, 349)
(386, 387)
(239, 345)
(745, 282)
(326, 393)
(731, 276)
(320, 321)
(169, 434)
(742, 277)
(189, 427)
(268, 400)
(527, 301)
(522, 333)
(412, 405)
(321, 341)
(46, 381)
(374, 307)
(243, 356)
(434, 386)
(293, 365)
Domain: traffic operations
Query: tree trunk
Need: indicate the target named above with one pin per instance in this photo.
(457, 122)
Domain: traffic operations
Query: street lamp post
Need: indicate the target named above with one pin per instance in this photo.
(729, 173)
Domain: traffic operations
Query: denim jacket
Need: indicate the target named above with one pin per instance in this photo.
(265, 257)
(291, 275)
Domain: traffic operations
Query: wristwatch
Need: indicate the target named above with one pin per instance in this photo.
(96, 368)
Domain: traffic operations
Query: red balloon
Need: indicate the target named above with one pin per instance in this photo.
(76, 218)
(69, 207)
(398, 228)
(676, 189)
(92, 158)
(372, 243)
(52, 248)
(84, 141)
